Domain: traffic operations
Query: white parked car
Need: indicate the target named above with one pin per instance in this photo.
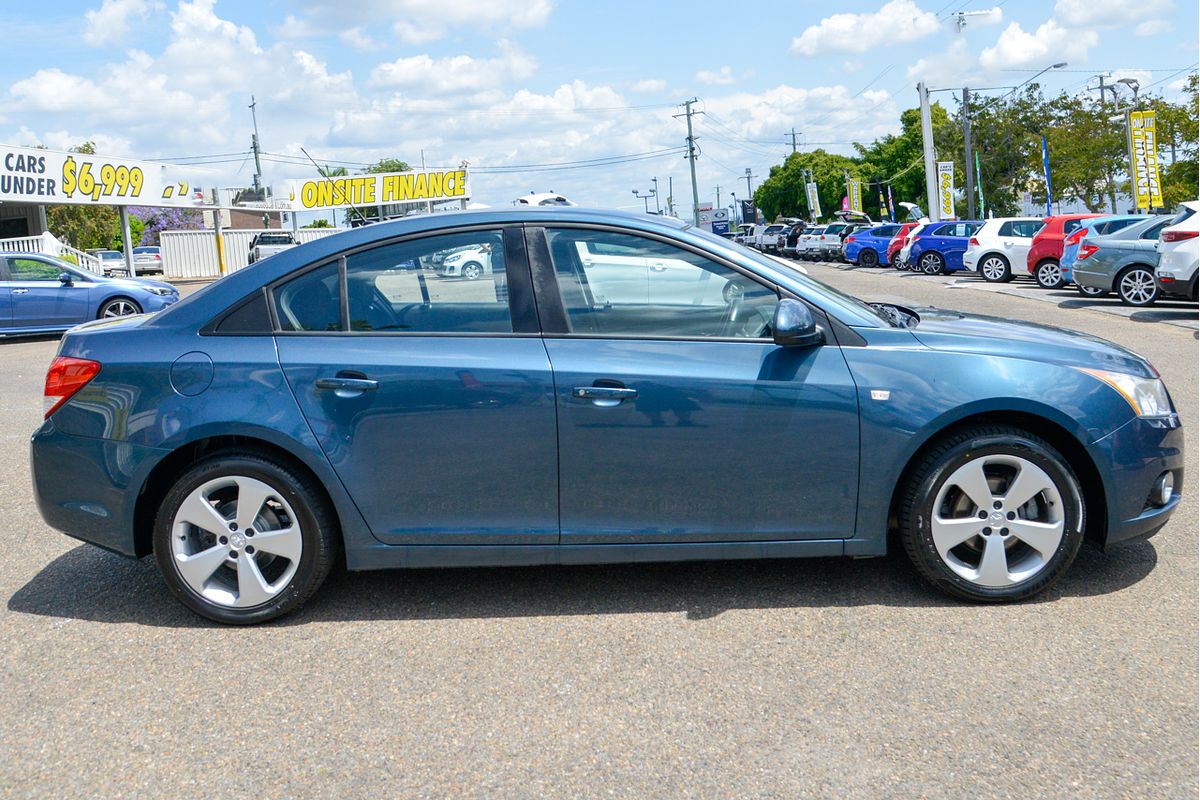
(906, 250)
(469, 263)
(999, 244)
(1179, 253)
(809, 246)
(767, 239)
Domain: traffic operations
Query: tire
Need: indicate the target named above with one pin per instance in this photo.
(1136, 286)
(284, 577)
(895, 261)
(933, 501)
(868, 258)
(1091, 291)
(995, 268)
(471, 271)
(1048, 275)
(118, 307)
(932, 263)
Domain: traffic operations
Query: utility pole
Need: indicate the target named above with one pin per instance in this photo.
(691, 157)
(671, 195)
(793, 134)
(749, 188)
(968, 160)
(718, 205)
(254, 147)
(927, 142)
(657, 206)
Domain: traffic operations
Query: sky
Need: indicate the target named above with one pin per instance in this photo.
(526, 90)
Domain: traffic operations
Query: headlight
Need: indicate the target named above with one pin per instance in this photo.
(161, 291)
(1147, 396)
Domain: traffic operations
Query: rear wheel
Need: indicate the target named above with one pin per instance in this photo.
(1049, 275)
(995, 269)
(242, 539)
(118, 307)
(896, 260)
(993, 514)
(1091, 291)
(931, 263)
(868, 258)
(1136, 286)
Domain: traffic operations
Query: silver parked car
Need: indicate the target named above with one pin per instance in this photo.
(1122, 262)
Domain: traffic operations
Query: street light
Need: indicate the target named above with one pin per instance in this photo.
(645, 198)
(1133, 84)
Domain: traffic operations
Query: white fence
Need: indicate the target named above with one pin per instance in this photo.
(193, 254)
(49, 244)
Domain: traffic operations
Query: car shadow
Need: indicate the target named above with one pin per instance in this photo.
(1163, 311)
(90, 584)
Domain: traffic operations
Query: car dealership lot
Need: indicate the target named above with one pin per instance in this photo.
(783, 678)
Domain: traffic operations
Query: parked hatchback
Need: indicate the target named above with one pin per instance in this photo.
(1098, 226)
(1045, 253)
(1179, 253)
(998, 244)
(1123, 262)
(898, 242)
(940, 246)
(617, 388)
(868, 248)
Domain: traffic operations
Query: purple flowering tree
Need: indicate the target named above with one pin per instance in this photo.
(157, 220)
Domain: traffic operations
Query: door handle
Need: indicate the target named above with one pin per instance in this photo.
(347, 386)
(20, 291)
(604, 396)
(659, 267)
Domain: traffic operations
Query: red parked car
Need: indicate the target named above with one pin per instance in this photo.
(1047, 248)
(898, 241)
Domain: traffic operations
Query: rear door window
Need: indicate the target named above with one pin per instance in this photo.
(310, 302)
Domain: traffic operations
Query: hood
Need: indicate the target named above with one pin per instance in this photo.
(941, 329)
(142, 283)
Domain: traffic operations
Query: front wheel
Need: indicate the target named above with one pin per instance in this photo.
(1136, 287)
(242, 539)
(118, 307)
(931, 263)
(868, 258)
(471, 271)
(995, 269)
(992, 514)
(896, 260)
(1049, 275)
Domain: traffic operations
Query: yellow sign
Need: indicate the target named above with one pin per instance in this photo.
(1143, 152)
(389, 188)
(36, 175)
(855, 195)
(945, 189)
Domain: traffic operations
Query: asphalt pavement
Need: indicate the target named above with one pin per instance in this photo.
(771, 679)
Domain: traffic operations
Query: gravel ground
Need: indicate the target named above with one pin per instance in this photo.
(820, 678)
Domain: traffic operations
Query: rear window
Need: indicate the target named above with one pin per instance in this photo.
(141, 250)
(1072, 225)
(274, 238)
(1154, 230)
(1183, 214)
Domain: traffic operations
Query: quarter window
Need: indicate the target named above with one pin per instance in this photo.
(653, 289)
(456, 283)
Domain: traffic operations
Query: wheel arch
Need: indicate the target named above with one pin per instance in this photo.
(993, 252)
(1068, 444)
(116, 296)
(163, 474)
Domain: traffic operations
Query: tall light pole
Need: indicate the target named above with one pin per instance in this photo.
(645, 198)
(654, 191)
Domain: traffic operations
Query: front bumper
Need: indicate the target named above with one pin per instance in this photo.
(1132, 458)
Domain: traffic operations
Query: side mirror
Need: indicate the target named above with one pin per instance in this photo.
(793, 325)
(66, 278)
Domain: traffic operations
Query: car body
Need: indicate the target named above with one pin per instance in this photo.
(829, 245)
(939, 247)
(767, 239)
(808, 246)
(898, 243)
(744, 231)
(470, 263)
(1000, 243)
(42, 294)
(1179, 253)
(1098, 226)
(577, 418)
(147, 259)
(1122, 262)
(791, 239)
(269, 243)
(112, 262)
(1047, 247)
(868, 247)
(905, 258)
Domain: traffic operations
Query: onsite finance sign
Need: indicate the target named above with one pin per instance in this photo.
(945, 189)
(34, 175)
(1143, 150)
(380, 189)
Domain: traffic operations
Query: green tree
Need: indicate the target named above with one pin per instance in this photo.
(84, 226)
(783, 194)
(318, 223)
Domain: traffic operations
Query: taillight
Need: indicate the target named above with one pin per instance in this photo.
(1085, 251)
(1178, 236)
(65, 377)
(916, 239)
(822, 237)
(973, 242)
(1076, 237)
(849, 239)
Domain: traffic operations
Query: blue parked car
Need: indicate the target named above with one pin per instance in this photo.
(868, 248)
(614, 388)
(940, 246)
(1096, 226)
(42, 294)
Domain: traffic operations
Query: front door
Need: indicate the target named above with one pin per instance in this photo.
(1016, 237)
(431, 396)
(40, 300)
(679, 420)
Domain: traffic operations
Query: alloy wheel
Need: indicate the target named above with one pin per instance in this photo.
(931, 264)
(236, 542)
(1049, 275)
(1091, 291)
(997, 520)
(471, 271)
(1137, 287)
(994, 268)
(119, 308)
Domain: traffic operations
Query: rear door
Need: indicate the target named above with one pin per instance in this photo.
(38, 299)
(432, 397)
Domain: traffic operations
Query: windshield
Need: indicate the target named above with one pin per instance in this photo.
(274, 238)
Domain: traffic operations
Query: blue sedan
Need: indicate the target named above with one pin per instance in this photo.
(41, 294)
(614, 388)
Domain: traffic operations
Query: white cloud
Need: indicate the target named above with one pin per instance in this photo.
(1152, 27)
(109, 23)
(722, 77)
(897, 21)
(358, 39)
(1050, 43)
(454, 74)
(1109, 13)
(649, 86)
(955, 65)
(420, 21)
